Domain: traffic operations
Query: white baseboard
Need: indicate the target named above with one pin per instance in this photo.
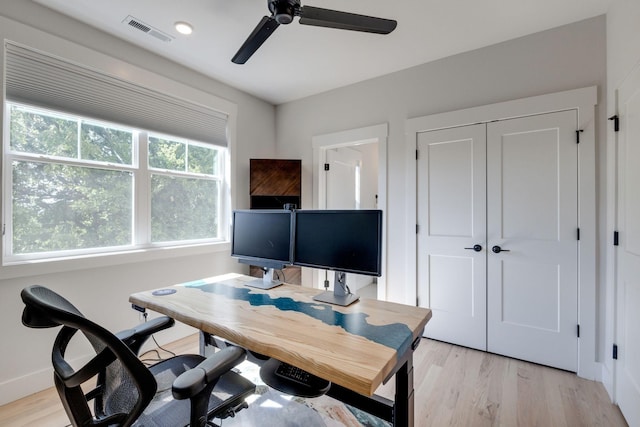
(608, 382)
(17, 388)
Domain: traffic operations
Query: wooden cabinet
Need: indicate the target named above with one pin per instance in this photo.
(274, 183)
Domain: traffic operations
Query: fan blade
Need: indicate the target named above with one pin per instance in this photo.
(263, 30)
(345, 21)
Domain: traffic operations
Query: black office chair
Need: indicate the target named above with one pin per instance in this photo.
(126, 392)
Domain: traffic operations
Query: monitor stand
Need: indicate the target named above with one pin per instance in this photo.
(266, 282)
(339, 296)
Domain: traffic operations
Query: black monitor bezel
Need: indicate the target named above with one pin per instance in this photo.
(262, 261)
(377, 212)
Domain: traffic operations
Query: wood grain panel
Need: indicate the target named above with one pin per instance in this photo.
(285, 323)
(272, 177)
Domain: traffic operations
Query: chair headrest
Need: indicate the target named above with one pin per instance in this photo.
(43, 307)
(36, 319)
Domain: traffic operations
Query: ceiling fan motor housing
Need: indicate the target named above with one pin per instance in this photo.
(283, 11)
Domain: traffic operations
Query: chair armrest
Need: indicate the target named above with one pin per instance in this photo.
(136, 336)
(195, 380)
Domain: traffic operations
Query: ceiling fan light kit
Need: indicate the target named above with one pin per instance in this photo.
(283, 12)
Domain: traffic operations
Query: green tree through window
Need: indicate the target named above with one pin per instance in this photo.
(185, 193)
(74, 184)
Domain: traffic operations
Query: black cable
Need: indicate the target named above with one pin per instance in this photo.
(159, 358)
(162, 348)
(151, 361)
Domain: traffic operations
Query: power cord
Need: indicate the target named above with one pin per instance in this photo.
(158, 358)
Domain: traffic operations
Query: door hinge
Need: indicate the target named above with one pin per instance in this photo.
(578, 132)
(417, 228)
(616, 122)
(615, 352)
(326, 166)
(578, 331)
(616, 238)
(578, 233)
(416, 154)
(4, 228)
(417, 302)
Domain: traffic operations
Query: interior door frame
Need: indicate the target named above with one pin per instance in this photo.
(350, 138)
(583, 101)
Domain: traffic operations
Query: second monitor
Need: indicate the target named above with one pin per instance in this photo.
(345, 241)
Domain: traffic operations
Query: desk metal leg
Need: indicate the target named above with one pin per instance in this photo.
(399, 412)
(203, 342)
(403, 410)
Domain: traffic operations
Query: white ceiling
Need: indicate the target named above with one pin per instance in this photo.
(301, 60)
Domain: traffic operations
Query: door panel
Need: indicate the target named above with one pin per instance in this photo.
(452, 217)
(455, 271)
(627, 368)
(529, 167)
(532, 285)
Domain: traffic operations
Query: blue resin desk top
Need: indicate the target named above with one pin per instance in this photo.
(356, 346)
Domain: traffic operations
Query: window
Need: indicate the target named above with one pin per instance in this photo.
(185, 190)
(97, 163)
(75, 186)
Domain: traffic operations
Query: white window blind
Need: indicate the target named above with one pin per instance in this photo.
(41, 79)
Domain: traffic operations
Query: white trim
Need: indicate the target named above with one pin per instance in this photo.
(37, 268)
(584, 101)
(371, 134)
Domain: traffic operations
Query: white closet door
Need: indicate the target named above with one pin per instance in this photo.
(532, 214)
(627, 371)
(452, 217)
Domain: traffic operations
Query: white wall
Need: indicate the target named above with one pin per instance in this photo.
(567, 57)
(623, 55)
(101, 293)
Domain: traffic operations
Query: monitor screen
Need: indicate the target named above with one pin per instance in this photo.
(262, 237)
(341, 240)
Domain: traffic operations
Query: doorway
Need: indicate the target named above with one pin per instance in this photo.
(350, 172)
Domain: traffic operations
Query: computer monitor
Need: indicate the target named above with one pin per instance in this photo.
(262, 238)
(345, 241)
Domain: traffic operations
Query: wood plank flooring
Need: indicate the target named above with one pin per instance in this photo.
(454, 386)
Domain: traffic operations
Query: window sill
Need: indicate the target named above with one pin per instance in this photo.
(60, 265)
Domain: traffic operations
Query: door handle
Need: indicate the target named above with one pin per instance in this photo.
(497, 249)
(476, 248)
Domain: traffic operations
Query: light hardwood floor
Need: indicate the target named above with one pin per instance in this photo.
(454, 386)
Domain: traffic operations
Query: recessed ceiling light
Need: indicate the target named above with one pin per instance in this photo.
(183, 27)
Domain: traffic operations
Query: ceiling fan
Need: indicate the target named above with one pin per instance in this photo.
(283, 11)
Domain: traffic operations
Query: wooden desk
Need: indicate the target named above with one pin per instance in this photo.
(356, 347)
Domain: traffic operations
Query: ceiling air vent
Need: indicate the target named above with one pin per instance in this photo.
(139, 25)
